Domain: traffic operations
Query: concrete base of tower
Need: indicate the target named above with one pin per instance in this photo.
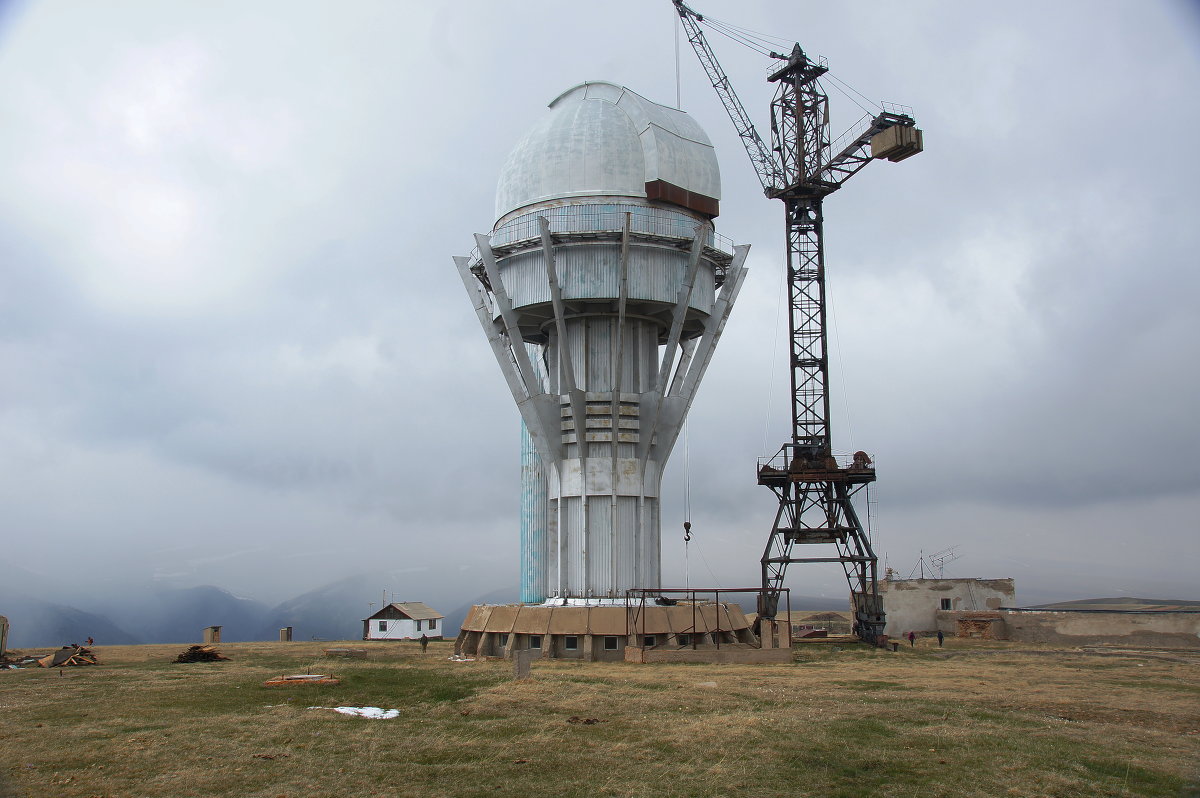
(700, 632)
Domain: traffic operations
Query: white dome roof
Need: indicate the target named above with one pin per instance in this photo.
(600, 139)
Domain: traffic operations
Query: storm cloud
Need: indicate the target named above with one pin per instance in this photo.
(234, 349)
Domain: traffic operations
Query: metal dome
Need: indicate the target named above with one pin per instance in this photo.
(601, 139)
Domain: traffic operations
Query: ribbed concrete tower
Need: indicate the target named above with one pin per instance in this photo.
(603, 290)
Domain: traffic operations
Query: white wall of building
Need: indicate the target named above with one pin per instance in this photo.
(403, 629)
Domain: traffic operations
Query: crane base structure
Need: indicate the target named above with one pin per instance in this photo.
(815, 489)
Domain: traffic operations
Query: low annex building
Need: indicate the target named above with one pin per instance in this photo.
(917, 605)
(603, 633)
(404, 620)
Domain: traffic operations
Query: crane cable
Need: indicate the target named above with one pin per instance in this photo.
(836, 79)
(736, 37)
(678, 90)
(687, 505)
(766, 38)
(687, 514)
(761, 44)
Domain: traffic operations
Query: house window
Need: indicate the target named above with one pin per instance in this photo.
(383, 626)
(571, 643)
(535, 641)
(650, 640)
(432, 624)
(418, 626)
(503, 639)
(610, 643)
(945, 604)
(685, 640)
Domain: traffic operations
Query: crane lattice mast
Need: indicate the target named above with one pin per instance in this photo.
(815, 490)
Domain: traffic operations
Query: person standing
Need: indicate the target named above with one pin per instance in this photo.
(424, 643)
(912, 639)
(941, 637)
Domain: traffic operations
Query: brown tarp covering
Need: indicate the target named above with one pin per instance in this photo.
(569, 621)
(606, 621)
(532, 620)
(654, 621)
(708, 619)
(502, 618)
(477, 617)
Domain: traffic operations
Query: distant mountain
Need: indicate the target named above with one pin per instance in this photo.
(455, 618)
(331, 612)
(335, 611)
(162, 614)
(35, 623)
(1122, 603)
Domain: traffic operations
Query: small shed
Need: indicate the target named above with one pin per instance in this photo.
(404, 620)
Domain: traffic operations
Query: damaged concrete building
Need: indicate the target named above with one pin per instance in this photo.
(986, 609)
(926, 605)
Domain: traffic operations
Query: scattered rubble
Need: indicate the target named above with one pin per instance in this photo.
(301, 678)
(68, 656)
(201, 654)
(16, 661)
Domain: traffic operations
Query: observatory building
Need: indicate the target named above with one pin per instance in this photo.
(603, 290)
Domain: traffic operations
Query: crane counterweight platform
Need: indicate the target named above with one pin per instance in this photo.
(800, 167)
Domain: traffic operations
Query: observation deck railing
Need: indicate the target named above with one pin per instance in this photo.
(607, 220)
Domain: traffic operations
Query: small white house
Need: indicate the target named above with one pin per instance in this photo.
(404, 620)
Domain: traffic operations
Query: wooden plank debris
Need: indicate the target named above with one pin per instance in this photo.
(68, 656)
(201, 653)
(301, 678)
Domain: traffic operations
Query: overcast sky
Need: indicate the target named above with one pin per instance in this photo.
(234, 349)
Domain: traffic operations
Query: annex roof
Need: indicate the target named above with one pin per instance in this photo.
(415, 610)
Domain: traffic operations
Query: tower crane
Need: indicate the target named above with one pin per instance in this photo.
(801, 167)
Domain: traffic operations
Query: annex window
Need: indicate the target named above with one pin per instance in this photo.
(503, 639)
(685, 640)
(610, 643)
(945, 604)
(535, 641)
(650, 640)
(570, 643)
(383, 626)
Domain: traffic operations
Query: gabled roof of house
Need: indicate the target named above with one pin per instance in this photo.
(415, 610)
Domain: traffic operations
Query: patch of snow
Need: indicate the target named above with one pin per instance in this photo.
(375, 713)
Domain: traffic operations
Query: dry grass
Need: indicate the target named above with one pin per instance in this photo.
(973, 720)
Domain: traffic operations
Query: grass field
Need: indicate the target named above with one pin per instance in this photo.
(976, 719)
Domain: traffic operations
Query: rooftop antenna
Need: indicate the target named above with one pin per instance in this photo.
(938, 560)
